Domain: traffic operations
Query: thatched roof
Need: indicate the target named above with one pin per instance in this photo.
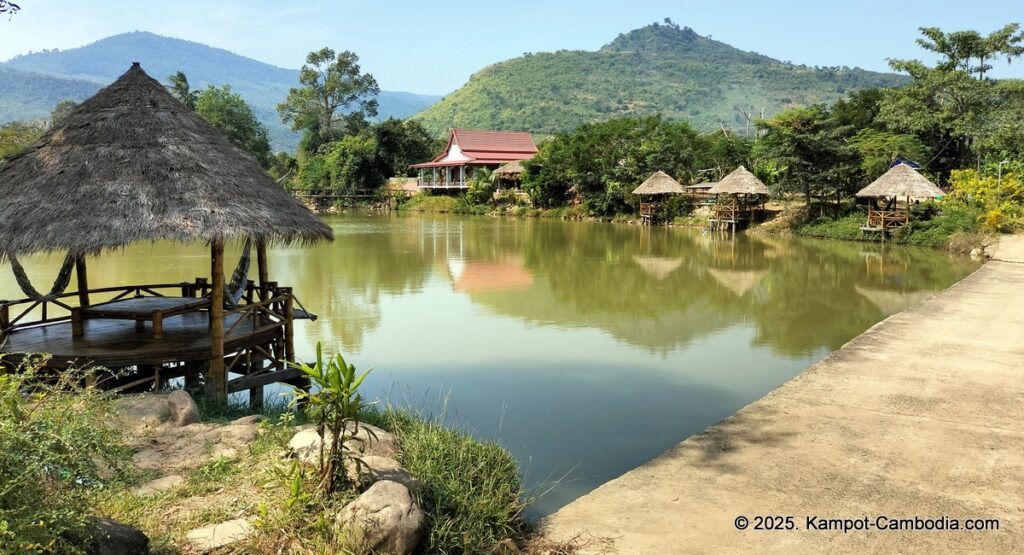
(511, 170)
(739, 182)
(738, 281)
(659, 183)
(134, 164)
(658, 267)
(891, 302)
(901, 181)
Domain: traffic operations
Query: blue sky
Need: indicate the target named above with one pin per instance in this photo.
(434, 46)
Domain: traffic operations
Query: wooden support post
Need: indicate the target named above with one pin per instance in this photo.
(261, 264)
(5, 317)
(289, 324)
(256, 398)
(77, 327)
(216, 379)
(83, 281)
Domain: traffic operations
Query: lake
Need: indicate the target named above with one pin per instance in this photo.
(586, 349)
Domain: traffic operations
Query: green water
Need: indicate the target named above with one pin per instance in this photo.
(586, 349)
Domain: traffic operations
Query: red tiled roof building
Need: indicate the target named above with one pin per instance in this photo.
(469, 149)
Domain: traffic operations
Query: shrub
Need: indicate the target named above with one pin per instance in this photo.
(58, 443)
(846, 227)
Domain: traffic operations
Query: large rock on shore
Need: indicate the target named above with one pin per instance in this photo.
(375, 469)
(218, 535)
(369, 440)
(184, 410)
(385, 519)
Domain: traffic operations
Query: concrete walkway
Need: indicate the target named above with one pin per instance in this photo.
(922, 415)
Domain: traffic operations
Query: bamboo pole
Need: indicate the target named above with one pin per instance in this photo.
(261, 264)
(83, 281)
(217, 379)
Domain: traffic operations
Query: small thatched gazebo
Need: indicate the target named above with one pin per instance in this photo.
(510, 173)
(884, 194)
(134, 164)
(738, 196)
(658, 185)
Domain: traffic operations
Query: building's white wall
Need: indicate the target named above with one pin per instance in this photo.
(454, 154)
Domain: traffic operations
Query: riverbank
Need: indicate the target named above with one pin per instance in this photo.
(918, 416)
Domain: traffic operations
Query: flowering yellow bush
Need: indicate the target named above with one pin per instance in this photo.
(1002, 200)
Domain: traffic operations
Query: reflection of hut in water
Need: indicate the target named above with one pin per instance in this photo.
(739, 196)
(891, 302)
(478, 276)
(738, 281)
(655, 189)
(658, 267)
(133, 164)
(891, 197)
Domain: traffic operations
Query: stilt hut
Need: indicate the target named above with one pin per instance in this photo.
(738, 198)
(652, 191)
(509, 175)
(133, 164)
(891, 196)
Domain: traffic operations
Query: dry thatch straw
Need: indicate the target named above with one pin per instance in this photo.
(659, 183)
(901, 181)
(739, 182)
(511, 170)
(134, 164)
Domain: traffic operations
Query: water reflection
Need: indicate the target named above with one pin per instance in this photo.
(581, 346)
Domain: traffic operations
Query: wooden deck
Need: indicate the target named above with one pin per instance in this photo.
(119, 343)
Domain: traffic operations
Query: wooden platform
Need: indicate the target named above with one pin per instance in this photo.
(117, 343)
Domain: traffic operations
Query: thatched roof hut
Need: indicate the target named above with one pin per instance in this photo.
(512, 171)
(659, 183)
(131, 164)
(901, 181)
(739, 182)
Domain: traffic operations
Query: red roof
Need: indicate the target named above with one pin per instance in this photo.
(485, 147)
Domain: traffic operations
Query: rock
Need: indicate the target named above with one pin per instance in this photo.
(369, 440)
(251, 419)
(160, 484)
(113, 538)
(507, 546)
(239, 434)
(384, 519)
(978, 253)
(305, 446)
(219, 535)
(376, 468)
(145, 410)
(380, 443)
(184, 410)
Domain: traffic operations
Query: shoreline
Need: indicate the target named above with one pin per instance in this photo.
(854, 435)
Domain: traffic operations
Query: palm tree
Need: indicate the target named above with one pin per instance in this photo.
(181, 90)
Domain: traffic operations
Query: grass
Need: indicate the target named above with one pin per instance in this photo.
(472, 491)
(430, 203)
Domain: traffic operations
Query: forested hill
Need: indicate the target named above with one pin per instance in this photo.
(659, 69)
(83, 70)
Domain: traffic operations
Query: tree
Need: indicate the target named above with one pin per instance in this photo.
(352, 163)
(401, 144)
(953, 113)
(233, 117)
(335, 97)
(182, 91)
(61, 111)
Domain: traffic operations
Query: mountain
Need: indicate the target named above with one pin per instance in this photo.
(658, 69)
(81, 71)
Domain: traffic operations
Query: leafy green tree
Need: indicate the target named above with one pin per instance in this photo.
(600, 164)
(401, 143)
(352, 163)
(229, 113)
(335, 98)
(813, 154)
(61, 111)
(182, 90)
(955, 115)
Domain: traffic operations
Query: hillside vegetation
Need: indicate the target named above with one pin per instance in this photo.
(659, 69)
(82, 71)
